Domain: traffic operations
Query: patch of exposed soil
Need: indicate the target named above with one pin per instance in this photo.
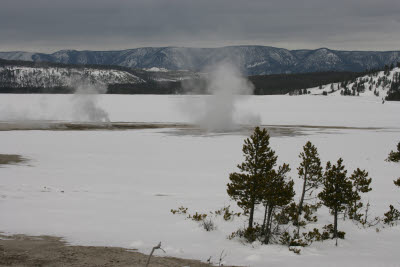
(82, 126)
(24, 251)
(11, 159)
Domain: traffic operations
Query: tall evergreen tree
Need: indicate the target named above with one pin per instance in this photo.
(310, 170)
(248, 187)
(278, 192)
(361, 184)
(337, 192)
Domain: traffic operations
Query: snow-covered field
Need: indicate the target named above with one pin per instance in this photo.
(117, 188)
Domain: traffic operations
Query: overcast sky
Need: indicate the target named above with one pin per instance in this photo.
(50, 25)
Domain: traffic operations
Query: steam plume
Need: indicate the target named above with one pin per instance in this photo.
(85, 106)
(218, 111)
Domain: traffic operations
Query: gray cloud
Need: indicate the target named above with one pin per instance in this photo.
(48, 25)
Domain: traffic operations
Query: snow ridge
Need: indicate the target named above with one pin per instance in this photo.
(47, 77)
(375, 84)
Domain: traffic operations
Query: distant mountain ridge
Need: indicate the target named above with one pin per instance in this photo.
(17, 76)
(46, 77)
(253, 60)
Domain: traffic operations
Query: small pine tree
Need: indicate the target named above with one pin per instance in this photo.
(310, 171)
(393, 215)
(337, 192)
(361, 184)
(394, 156)
(397, 182)
(247, 187)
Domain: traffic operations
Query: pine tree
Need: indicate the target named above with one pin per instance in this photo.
(397, 182)
(248, 187)
(394, 156)
(393, 214)
(278, 192)
(310, 171)
(337, 193)
(361, 184)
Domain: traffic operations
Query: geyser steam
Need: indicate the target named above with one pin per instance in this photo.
(218, 111)
(82, 106)
(84, 100)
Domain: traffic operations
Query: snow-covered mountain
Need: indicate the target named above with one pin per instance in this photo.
(39, 77)
(377, 84)
(20, 76)
(253, 60)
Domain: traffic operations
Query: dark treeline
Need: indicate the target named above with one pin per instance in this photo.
(163, 88)
(37, 90)
(150, 87)
(394, 91)
(278, 84)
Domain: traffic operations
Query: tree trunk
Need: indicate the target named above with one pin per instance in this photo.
(268, 228)
(251, 216)
(303, 193)
(264, 221)
(300, 210)
(335, 235)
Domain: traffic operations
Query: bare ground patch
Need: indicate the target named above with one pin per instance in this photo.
(84, 126)
(24, 251)
(11, 159)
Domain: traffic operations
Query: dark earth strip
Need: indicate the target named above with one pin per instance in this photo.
(29, 251)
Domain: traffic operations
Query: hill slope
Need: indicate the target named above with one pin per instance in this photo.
(44, 77)
(253, 60)
(383, 84)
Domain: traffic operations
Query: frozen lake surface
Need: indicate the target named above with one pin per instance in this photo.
(116, 188)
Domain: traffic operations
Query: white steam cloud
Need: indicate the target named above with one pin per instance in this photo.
(84, 103)
(82, 106)
(217, 112)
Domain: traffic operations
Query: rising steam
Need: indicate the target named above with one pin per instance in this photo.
(217, 112)
(84, 101)
(82, 106)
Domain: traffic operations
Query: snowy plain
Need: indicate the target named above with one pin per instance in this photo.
(116, 188)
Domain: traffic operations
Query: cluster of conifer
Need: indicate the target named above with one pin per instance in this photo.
(394, 91)
(392, 217)
(261, 182)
